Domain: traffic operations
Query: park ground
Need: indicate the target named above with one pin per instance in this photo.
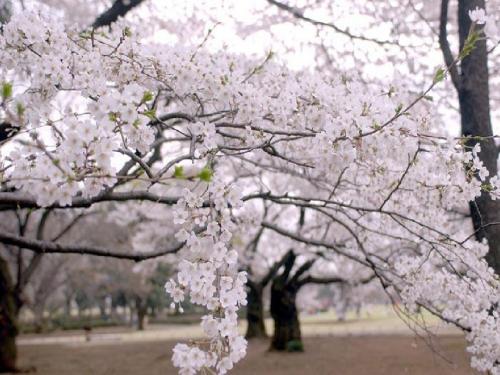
(375, 344)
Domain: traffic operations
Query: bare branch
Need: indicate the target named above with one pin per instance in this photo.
(321, 280)
(312, 242)
(274, 269)
(36, 259)
(17, 200)
(330, 280)
(49, 247)
(70, 225)
(445, 45)
(302, 269)
(138, 160)
(400, 181)
(299, 15)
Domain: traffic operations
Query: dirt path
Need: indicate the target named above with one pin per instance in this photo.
(360, 355)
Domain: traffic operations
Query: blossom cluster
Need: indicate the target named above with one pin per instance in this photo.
(209, 274)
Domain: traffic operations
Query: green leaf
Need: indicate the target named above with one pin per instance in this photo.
(469, 44)
(6, 90)
(148, 96)
(487, 187)
(127, 32)
(113, 116)
(206, 174)
(85, 34)
(20, 109)
(439, 76)
(150, 113)
(179, 171)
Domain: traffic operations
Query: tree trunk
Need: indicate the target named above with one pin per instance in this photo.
(286, 335)
(141, 309)
(255, 312)
(67, 306)
(39, 319)
(8, 321)
(102, 309)
(154, 312)
(473, 94)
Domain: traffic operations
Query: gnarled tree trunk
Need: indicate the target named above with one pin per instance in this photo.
(8, 321)
(284, 312)
(255, 311)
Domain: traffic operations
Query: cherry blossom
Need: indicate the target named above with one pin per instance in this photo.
(192, 140)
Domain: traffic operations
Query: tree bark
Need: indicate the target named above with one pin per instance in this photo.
(141, 310)
(255, 311)
(473, 93)
(8, 321)
(287, 336)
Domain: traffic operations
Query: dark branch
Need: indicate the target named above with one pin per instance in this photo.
(17, 200)
(49, 247)
(320, 280)
(330, 280)
(70, 225)
(302, 270)
(288, 263)
(7, 131)
(37, 258)
(400, 181)
(274, 269)
(445, 45)
(299, 15)
(119, 9)
(298, 238)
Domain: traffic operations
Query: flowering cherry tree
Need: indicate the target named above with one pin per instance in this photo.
(197, 143)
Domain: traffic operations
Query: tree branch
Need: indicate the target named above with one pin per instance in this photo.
(119, 9)
(311, 242)
(302, 269)
(274, 269)
(17, 200)
(288, 262)
(400, 180)
(49, 247)
(37, 258)
(329, 280)
(320, 280)
(445, 45)
(299, 15)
